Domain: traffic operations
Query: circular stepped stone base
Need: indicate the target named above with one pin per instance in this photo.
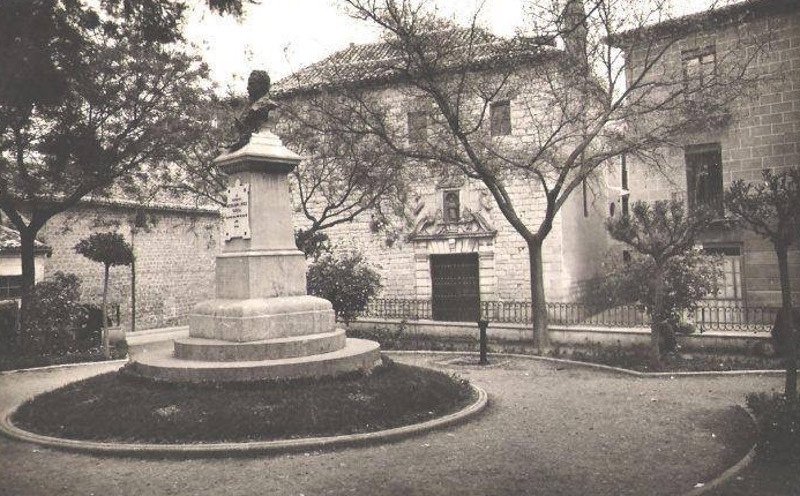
(357, 355)
(216, 350)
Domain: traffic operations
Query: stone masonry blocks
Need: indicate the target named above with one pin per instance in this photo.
(261, 319)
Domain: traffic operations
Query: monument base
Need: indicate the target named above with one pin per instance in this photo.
(259, 339)
(356, 355)
(261, 318)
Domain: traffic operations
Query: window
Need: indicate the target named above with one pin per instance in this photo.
(730, 285)
(704, 177)
(451, 206)
(417, 128)
(10, 287)
(500, 117)
(699, 67)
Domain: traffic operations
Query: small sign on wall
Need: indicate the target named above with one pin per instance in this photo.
(236, 214)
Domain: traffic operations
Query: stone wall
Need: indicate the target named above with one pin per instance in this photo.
(175, 255)
(763, 133)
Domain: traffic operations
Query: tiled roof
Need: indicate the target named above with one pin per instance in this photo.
(10, 242)
(739, 12)
(382, 61)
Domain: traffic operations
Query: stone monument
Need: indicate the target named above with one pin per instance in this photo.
(261, 325)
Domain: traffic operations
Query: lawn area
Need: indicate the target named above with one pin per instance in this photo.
(117, 407)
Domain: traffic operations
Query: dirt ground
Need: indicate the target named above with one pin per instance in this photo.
(550, 429)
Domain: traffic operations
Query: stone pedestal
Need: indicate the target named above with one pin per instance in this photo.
(262, 324)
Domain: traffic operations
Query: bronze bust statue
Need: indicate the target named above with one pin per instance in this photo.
(256, 113)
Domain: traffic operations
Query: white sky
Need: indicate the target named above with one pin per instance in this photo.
(281, 36)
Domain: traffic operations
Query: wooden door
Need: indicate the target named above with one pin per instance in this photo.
(455, 287)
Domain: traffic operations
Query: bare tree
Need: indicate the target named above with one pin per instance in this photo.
(578, 107)
(344, 174)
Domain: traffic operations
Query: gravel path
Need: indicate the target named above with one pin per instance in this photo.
(550, 429)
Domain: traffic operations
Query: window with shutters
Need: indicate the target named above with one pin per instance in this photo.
(500, 116)
(704, 186)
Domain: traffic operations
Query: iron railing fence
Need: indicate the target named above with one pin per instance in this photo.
(398, 308)
(734, 318)
(708, 317)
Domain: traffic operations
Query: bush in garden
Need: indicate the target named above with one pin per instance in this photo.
(689, 278)
(312, 243)
(8, 325)
(779, 426)
(52, 316)
(346, 280)
(89, 332)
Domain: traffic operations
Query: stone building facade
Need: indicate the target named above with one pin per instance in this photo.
(760, 131)
(458, 235)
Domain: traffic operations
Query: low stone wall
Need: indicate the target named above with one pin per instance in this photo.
(573, 336)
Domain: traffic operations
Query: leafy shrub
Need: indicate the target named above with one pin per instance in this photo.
(88, 333)
(346, 280)
(388, 339)
(688, 279)
(8, 324)
(616, 355)
(52, 316)
(779, 426)
(312, 243)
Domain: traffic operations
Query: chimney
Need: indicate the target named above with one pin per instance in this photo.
(574, 32)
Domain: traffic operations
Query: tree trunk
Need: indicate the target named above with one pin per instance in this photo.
(541, 339)
(27, 239)
(790, 358)
(104, 328)
(133, 277)
(133, 295)
(657, 318)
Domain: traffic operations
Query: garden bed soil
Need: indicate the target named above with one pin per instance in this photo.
(116, 407)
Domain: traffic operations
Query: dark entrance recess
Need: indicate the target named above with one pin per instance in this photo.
(455, 287)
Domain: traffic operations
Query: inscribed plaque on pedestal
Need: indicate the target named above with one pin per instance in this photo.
(236, 214)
